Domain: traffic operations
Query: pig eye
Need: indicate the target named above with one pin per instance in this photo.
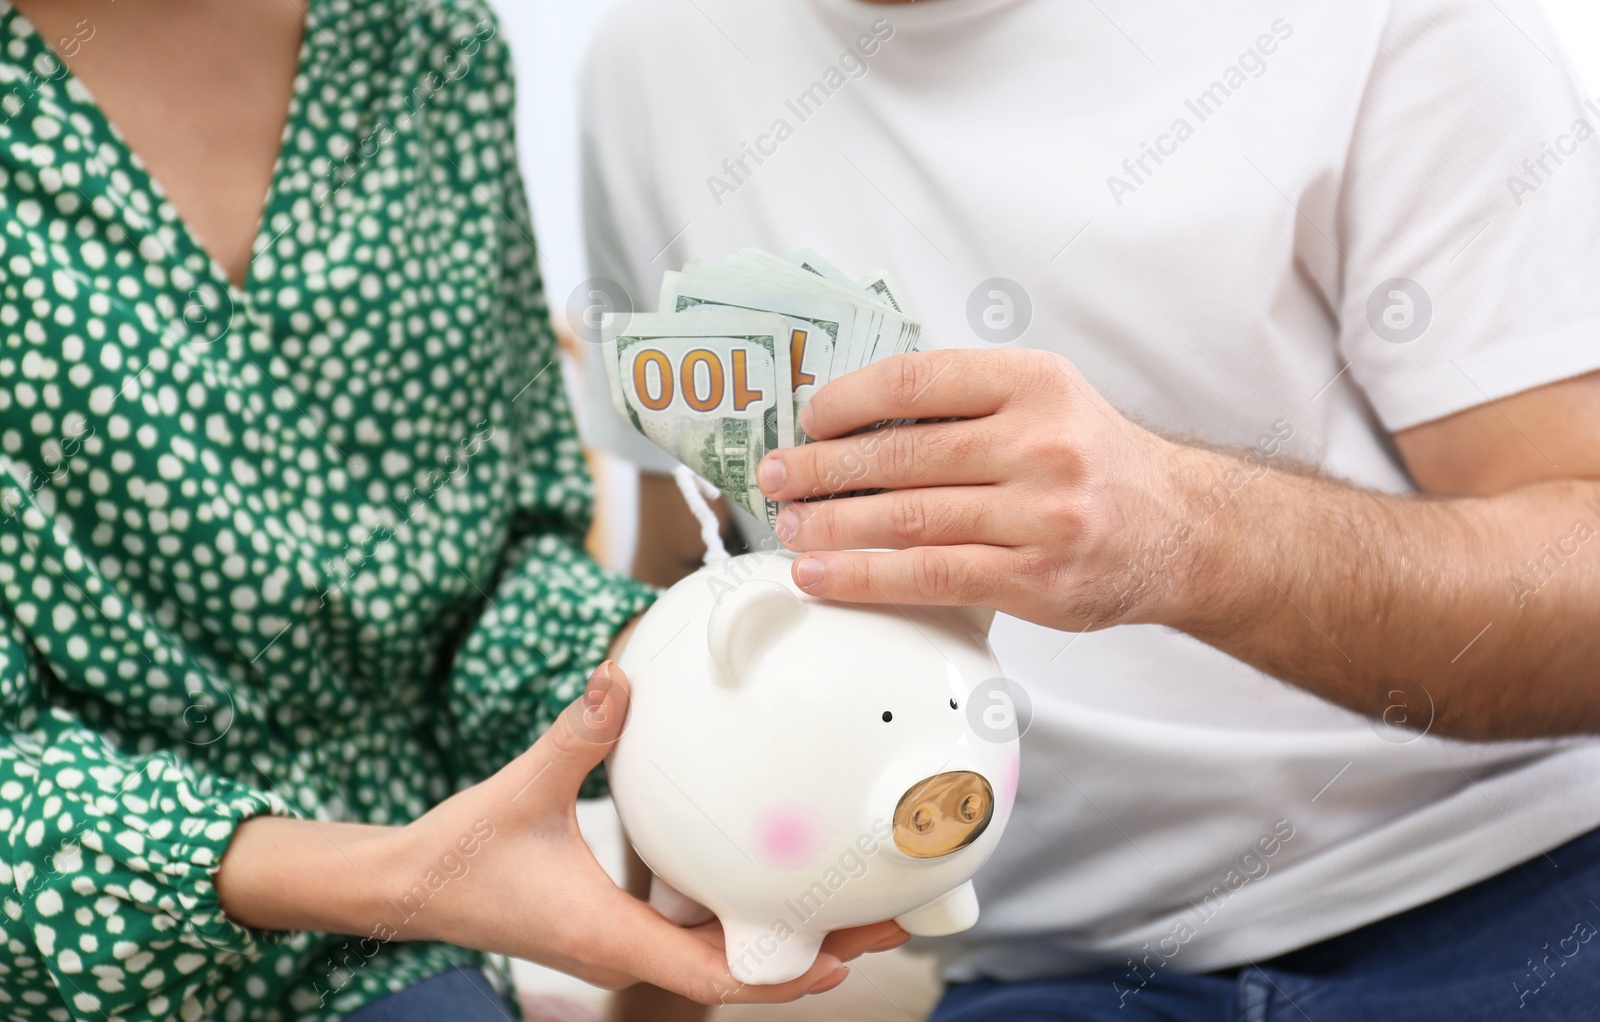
(952, 704)
(887, 716)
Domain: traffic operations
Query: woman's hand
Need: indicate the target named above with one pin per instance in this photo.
(501, 867)
(1042, 501)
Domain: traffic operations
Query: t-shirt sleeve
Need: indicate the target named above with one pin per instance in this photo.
(1470, 213)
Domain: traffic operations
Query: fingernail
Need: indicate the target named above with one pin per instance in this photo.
(806, 420)
(829, 981)
(889, 944)
(808, 572)
(769, 474)
(599, 684)
(788, 525)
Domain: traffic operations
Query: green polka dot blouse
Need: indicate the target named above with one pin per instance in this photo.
(311, 546)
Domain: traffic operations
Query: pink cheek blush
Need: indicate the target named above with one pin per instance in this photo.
(1013, 776)
(787, 837)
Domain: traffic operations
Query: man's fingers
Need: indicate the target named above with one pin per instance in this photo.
(938, 516)
(921, 385)
(579, 739)
(963, 576)
(917, 454)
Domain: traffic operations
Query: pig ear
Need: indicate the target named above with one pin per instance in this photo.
(752, 616)
(982, 618)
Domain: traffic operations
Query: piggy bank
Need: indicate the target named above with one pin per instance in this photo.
(796, 766)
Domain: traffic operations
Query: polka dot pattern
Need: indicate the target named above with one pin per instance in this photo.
(310, 546)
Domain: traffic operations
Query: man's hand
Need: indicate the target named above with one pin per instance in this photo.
(1047, 504)
(1039, 502)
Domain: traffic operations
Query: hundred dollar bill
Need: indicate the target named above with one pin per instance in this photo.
(864, 320)
(712, 387)
(813, 263)
(719, 376)
(879, 287)
(819, 324)
(881, 329)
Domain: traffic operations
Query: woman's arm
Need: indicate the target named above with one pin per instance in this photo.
(327, 876)
(331, 876)
(501, 867)
(105, 850)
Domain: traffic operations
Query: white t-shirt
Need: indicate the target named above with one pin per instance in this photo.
(1199, 202)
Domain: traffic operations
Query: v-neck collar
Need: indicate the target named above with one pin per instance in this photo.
(185, 251)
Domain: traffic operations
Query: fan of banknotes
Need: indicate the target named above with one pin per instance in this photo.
(718, 376)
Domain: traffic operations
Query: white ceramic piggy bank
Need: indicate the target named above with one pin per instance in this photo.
(797, 766)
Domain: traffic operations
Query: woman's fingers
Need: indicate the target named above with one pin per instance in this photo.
(639, 942)
(846, 945)
(851, 944)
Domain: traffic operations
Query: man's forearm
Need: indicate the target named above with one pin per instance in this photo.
(1023, 489)
(1486, 610)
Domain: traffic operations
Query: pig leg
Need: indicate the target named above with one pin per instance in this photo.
(949, 913)
(760, 954)
(675, 905)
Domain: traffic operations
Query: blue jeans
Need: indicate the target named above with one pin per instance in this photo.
(462, 994)
(1516, 946)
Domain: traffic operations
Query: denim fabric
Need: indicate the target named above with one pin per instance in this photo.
(1516, 946)
(459, 995)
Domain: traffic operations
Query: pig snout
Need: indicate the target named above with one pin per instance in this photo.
(942, 814)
